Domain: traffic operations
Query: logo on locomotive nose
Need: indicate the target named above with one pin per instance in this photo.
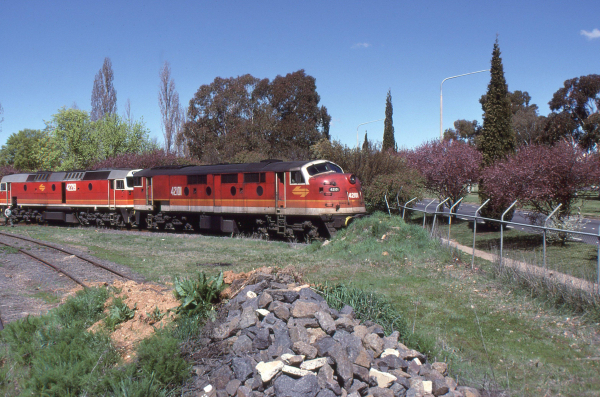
(300, 191)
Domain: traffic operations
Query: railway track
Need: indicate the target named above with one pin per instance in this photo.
(57, 268)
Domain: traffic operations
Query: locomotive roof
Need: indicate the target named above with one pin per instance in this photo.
(274, 166)
(15, 178)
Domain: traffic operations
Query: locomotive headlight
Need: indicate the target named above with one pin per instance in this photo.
(334, 189)
(352, 179)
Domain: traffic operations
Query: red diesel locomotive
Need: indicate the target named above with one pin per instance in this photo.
(311, 198)
(102, 197)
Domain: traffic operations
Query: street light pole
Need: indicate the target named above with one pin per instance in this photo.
(441, 102)
(368, 122)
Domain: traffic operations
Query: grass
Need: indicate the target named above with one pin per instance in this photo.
(55, 354)
(531, 348)
(47, 297)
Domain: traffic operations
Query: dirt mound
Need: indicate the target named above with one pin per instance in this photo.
(146, 299)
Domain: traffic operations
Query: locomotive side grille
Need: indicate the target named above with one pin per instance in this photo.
(196, 180)
(229, 178)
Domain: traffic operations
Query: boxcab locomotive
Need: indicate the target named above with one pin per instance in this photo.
(294, 198)
(101, 197)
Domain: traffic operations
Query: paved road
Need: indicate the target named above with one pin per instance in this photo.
(588, 225)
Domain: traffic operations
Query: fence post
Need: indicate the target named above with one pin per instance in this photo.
(450, 218)
(425, 212)
(598, 263)
(405, 204)
(502, 228)
(387, 205)
(435, 215)
(475, 231)
(544, 232)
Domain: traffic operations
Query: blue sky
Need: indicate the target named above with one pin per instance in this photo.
(50, 52)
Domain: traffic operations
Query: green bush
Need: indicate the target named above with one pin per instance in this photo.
(380, 172)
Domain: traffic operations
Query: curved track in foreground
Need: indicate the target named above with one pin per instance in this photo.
(63, 251)
(45, 262)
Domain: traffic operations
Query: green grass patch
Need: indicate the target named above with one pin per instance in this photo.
(47, 297)
(8, 250)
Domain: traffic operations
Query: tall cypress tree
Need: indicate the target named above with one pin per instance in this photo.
(365, 145)
(497, 138)
(388, 130)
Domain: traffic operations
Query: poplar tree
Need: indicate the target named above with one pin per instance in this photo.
(497, 139)
(104, 95)
(388, 130)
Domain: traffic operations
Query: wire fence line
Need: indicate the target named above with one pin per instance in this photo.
(544, 229)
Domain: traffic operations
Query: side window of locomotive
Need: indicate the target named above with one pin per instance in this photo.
(296, 177)
(137, 181)
(2, 187)
(112, 184)
(129, 181)
(229, 178)
(120, 184)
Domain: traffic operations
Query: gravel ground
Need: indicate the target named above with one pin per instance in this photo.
(30, 287)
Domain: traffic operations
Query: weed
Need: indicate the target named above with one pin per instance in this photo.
(197, 295)
(118, 313)
(156, 315)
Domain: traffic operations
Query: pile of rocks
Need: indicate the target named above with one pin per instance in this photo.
(282, 339)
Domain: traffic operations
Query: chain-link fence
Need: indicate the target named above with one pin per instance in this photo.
(438, 218)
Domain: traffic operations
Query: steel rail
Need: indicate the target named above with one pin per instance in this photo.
(58, 269)
(67, 252)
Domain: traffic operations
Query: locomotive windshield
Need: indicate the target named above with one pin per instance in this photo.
(322, 168)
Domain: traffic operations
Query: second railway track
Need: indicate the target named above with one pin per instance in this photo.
(75, 266)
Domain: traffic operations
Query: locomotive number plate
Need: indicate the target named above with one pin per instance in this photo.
(71, 187)
(176, 191)
(353, 195)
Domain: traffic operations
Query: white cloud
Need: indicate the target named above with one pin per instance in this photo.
(594, 34)
(361, 45)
